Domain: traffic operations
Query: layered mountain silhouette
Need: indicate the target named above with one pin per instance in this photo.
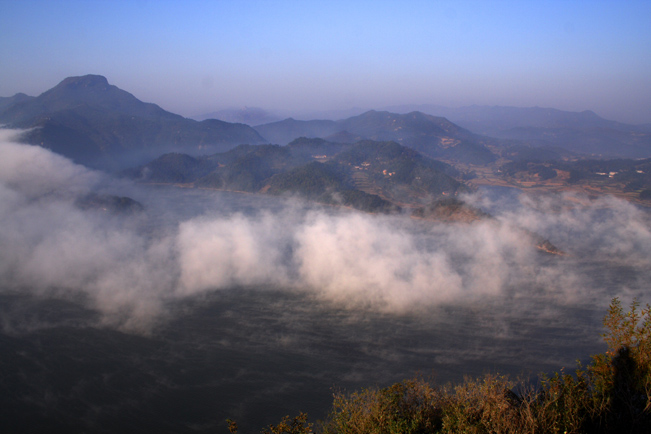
(99, 125)
(578, 132)
(6, 102)
(433, 136)
(283, 132)
(246, 115)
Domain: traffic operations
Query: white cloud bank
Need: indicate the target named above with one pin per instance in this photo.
(389, 263)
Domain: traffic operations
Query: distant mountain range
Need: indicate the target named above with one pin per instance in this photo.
(576, 132)
(433, 136)
(246, 115)
(254, 116)
(99, 125)
(579, 132)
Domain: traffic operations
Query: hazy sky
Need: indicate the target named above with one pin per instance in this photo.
(191, 57)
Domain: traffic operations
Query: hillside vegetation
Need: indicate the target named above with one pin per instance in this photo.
(370, 176)
(611, 395)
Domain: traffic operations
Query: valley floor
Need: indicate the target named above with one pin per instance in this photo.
(489, 176)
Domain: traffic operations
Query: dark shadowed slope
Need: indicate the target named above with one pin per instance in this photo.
(97, 124)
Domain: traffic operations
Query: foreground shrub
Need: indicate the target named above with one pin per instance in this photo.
(612, 395)
(296, 425)
(412, 406)
(622, 376)
(485, 405)
(560, 405)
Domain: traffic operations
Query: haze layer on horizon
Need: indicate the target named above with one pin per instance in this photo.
(195, 57)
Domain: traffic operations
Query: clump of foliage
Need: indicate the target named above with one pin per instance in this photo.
(412, 406)
(622, 376)
(611, 395)
(295, 425)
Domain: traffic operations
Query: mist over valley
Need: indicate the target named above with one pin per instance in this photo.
(325, 217)
(162, 295)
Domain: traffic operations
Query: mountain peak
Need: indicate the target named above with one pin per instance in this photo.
(87, 88)
(96, 92)
(90, 80)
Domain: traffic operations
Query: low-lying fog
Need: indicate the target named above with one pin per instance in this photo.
(252, 307)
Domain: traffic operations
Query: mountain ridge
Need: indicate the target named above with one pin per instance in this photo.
(434, 136)
(582, 132)
(102, 126)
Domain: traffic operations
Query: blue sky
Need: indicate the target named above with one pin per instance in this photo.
(192, 57)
